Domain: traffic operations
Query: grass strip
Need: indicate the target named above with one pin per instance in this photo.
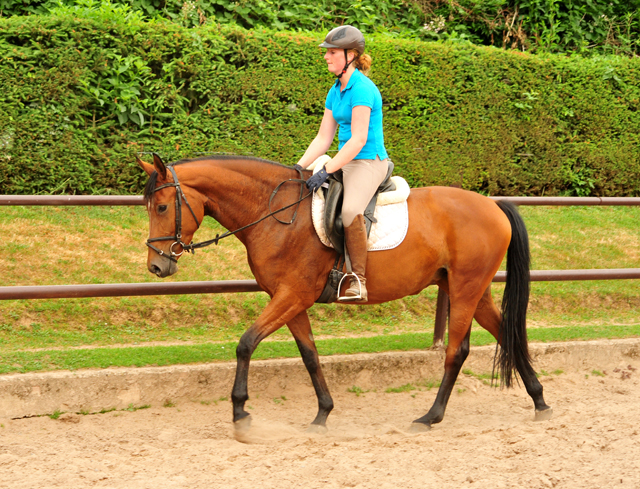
(22, 362)
(47, 360)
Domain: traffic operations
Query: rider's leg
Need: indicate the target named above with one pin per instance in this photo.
(356, 240)
(361, 179)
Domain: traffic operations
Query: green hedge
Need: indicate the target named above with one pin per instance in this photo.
(587, 27)
(81, 96)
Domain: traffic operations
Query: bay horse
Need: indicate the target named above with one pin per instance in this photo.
(456, 240)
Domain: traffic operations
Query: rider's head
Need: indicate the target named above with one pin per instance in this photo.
(351, 41)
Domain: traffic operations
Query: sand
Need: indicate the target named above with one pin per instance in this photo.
(488, 439)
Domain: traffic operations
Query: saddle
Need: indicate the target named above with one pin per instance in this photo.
(333, 191)
(333, 225)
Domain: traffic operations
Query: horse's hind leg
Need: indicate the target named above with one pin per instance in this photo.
(457, 352)
(488, 316)
(301, 330)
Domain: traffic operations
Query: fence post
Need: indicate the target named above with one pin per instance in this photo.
(442, 314)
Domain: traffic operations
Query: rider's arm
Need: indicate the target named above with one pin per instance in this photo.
(360, 116)
(322, 142)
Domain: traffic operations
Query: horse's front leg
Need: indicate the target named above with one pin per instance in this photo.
(301, 330)
(282, 309)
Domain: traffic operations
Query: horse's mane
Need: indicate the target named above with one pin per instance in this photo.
(153, 178)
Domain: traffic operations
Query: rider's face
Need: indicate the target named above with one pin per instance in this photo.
(335, 60)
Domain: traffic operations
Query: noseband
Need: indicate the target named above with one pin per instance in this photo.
(190, 248)
(177, 238)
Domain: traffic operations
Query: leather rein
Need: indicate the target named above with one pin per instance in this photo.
(190, 248)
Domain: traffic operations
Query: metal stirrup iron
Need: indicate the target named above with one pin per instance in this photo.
(350, 273)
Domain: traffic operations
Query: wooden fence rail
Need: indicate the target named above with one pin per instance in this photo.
(138, 200)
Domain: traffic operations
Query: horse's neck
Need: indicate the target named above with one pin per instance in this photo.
(238, 190)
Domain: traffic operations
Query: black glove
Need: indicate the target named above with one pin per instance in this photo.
(298, 168)
(315, 181)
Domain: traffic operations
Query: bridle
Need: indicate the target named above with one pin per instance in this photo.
(177, 238)
(190, 248)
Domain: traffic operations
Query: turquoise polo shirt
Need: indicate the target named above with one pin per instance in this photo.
(359, 91)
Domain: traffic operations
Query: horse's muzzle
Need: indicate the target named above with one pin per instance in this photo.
(162, 266)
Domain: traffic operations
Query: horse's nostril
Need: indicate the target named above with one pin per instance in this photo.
(155, 269)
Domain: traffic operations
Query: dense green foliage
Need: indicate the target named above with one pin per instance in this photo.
(585, 26)
(84, 90)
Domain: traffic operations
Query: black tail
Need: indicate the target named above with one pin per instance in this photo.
(513, 352)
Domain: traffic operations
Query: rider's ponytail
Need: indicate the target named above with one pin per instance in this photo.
(362, 62)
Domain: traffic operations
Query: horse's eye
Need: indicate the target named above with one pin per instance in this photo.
(162, 208)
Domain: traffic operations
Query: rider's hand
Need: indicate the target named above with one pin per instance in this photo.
(315, 181)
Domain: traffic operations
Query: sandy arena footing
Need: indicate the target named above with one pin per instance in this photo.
(186, 440)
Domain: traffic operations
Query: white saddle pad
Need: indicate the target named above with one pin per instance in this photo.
(392, 214)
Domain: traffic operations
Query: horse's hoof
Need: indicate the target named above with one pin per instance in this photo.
(242, 425)
(544, 415)
(419, 428)
(317, 429)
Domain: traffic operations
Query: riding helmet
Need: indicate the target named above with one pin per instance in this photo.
(344, 37)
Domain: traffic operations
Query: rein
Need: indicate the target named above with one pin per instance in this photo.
(190, 248)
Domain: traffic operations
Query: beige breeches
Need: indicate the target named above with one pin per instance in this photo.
(361, 179)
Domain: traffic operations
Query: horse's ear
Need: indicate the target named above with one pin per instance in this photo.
(148, 169)
(159, 166)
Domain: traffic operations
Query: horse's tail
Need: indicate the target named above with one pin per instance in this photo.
(513, 352)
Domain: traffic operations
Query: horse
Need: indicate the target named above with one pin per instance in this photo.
(456, 240)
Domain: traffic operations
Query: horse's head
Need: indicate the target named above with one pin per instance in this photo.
(175, 212)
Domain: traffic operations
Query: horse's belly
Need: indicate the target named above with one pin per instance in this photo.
(400, 272)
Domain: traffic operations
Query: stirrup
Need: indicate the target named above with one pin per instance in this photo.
(345, 298)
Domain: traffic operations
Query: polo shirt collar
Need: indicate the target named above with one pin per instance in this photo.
(356, 74)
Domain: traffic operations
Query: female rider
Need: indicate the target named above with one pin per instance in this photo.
(354, 104)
